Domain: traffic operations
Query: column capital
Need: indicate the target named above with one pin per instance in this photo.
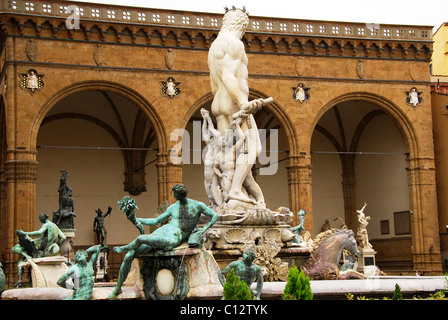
(299, 169)
(21, 171)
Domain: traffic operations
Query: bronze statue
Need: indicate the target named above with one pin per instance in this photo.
(98, 224)
(63, 217)
(246, 270)
(48, 243)
(82, 274)
(184, 214)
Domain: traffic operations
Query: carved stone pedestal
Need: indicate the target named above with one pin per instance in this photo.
(272, 244)
(170, 275)
(366, 262)
(45, 272)
(102, 265)
(66, 247)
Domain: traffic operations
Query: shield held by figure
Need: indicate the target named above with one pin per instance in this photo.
(28, 245)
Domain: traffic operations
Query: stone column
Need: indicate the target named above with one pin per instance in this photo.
(299, 186)
(168, 174)
(3, 213)
(20, 180)
(349, 192)
(424, 222)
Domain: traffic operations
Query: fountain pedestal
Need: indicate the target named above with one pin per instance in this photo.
(45, 272)
(366, 262)
(171, 274)
(67, 246)
(268, 233)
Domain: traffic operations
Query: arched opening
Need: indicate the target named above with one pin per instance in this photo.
(359, 155)
(107, 138)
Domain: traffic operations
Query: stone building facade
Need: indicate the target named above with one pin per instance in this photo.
(79, 68)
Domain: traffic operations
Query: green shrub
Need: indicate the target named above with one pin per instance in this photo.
(397, 293)
(298, 286)
(234, 289)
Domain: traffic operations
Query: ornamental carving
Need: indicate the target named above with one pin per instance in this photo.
(413, 97)
(31, 49)
(300, 93)
(31, 81)
(361, 69)
(274, 269)
(299, 66)
(273, 234)
(99, 55)
(235, 235)
(170, 58)
(170, 88)
(21, 171)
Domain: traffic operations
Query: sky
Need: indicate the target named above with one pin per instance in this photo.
(409, 12)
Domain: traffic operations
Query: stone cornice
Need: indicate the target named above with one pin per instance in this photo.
(195, 30)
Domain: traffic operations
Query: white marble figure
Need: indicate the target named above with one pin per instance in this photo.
(170, 88)
(413, 97)
(227, 62)
(362, 235)
(299, 93)
(211, 180)
(32, 82)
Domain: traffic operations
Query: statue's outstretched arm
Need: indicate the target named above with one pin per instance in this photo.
(36, 233)
(212, 214)
(155, 221)
(95, 251)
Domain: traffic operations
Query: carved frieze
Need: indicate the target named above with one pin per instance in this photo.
(304, 43)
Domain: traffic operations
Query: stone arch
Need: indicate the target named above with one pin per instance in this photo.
(129, 93)
(404, 124)
(420, 177)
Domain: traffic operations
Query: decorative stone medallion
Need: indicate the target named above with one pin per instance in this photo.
(31, 81)
(170, 88)
(413, 97)
(300, 93)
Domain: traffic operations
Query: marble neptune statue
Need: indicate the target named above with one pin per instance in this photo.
(227, 61)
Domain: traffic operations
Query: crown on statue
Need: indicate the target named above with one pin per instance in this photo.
(235, 8)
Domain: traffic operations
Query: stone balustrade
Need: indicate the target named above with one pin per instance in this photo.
(197, 20)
